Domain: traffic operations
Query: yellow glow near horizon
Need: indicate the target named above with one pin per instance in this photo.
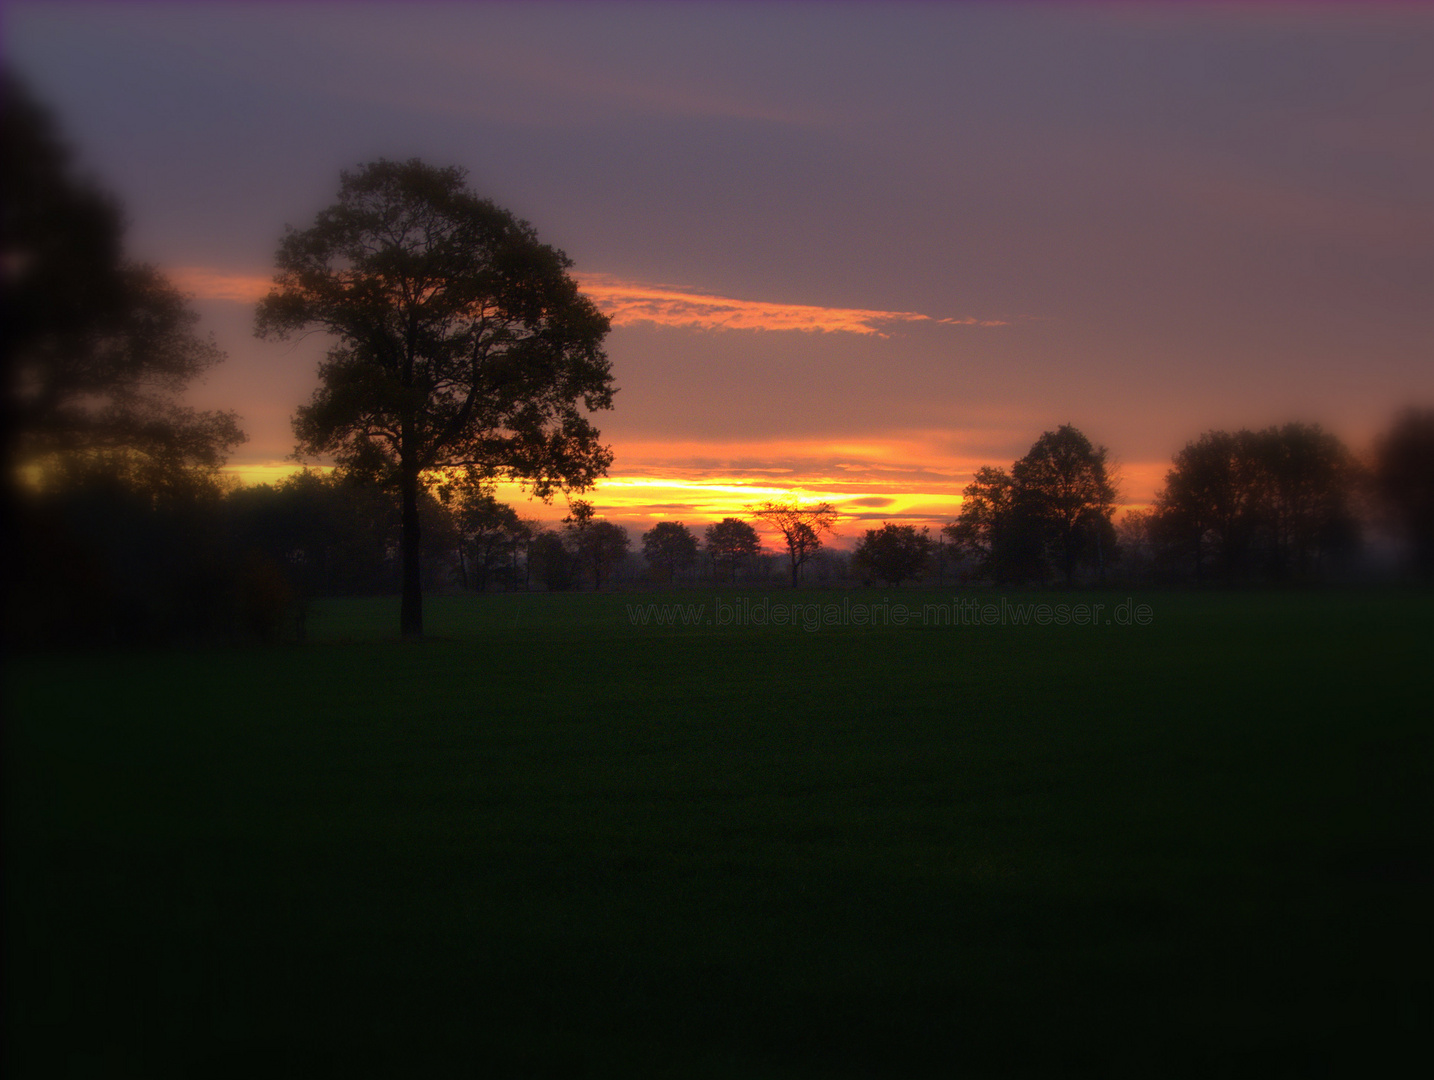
(269, 472)
(640, 501)
(631, 302)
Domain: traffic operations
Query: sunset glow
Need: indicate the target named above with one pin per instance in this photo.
(859, 290)
(629, 303)
(700, 494)
(973, 622)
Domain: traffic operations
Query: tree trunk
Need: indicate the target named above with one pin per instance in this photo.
(410, 616)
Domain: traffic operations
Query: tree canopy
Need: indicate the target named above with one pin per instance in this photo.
(461, 342)
(1052, 508)
(670, 546)
(1275, 502)
(894, 553)
(490, 534)
(994, 528)
(97, 349)
(801, 525)
(1404, 480)
(731, 542)
(598, 545)
(1066, 489)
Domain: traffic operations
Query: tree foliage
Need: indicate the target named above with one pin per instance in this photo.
(1404, 482)
(995, 529)
(1052, 509)
(461, 343)
(332, 536)
(1275, 503)
(597, 545)
(894, 553)
(1065, 488)
(551, 562)
(801, 525)
(670, 546)
(732, 542)
(98, 350)
(489, 534)
(109, 486)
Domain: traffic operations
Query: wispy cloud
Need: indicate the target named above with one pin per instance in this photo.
(206, 284)
(632, 303)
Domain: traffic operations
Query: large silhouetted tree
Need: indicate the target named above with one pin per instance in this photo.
(108, 489)
(461, 342)
(801, 525)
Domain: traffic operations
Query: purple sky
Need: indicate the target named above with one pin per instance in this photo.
(1178, 217)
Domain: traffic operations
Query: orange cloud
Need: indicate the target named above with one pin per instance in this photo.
(697, 483)
(206, 284)
(629, 303)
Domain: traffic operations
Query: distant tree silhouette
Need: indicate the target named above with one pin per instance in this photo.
(801, 526)
(670, 546)
(1053, 508)
(1210, 503)
(894, 553)
(532, 527)
(1309, 515)
(597, 545)
(604, 548)
(996, 529)
(1138, 545)
(331, 536)
(1064, 485)
(461, 343)
(489, 535)
(1404, 482)
(97, 350)
(732, 542)
(551, 562)
(1277, 503)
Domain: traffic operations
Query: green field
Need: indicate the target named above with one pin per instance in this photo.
(553, 843)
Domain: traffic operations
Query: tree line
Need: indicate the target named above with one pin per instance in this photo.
(1285, 504)
(465, 355)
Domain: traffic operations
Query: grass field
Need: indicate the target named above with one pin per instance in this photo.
(550, 842)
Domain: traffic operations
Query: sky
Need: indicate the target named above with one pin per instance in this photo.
(851, 251)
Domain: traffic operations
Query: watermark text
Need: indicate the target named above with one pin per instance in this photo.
(742, 611)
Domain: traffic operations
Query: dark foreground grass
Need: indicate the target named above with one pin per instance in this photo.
(552, 843)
